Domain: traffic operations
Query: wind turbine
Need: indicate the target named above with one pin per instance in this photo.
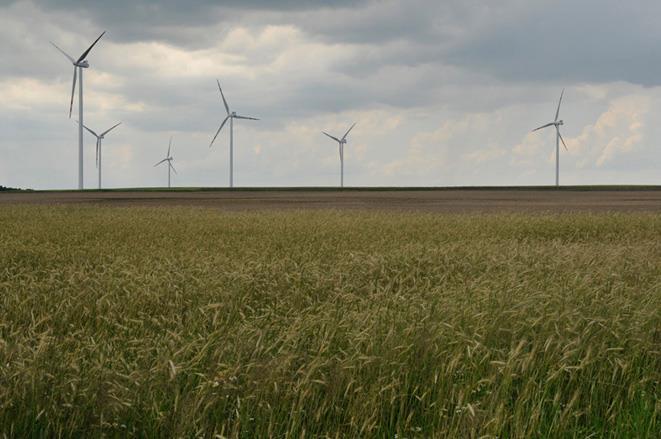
(341, 142)
(79, 64)
(231, 115)
(558, 137)
(168, 158)
(99, 138)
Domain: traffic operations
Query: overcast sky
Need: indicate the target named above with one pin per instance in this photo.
(444, 92)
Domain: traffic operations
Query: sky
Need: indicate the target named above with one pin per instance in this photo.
(444, 92)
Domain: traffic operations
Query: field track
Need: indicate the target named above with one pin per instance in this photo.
(432, 200)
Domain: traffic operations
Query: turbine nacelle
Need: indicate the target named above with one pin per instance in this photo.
(82, 64)
(560, 122)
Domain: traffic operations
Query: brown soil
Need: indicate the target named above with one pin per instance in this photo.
(442, 201)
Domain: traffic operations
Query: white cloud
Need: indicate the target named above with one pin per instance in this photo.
(531, 149)
(21, 94)
(485, 155)
(617, 131)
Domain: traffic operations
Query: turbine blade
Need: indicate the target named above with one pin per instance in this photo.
(109, 130)
(227, 107)
(347, 133)
(245, 117)
(557, 112)
(172, 167)
(563, 140)
(164, 160)
(218, 132)
(91, 132)
(543, 126)
(169, 147)
(332, 137)
(73, 91)
(73, 61)
(84, 55)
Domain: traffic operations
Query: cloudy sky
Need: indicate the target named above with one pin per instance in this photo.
(444, 92)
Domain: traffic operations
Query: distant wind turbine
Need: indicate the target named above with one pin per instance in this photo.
(79, 64)
(558, 137)
(231, 115)
(99, 138)
(168, 158)
(341, 142)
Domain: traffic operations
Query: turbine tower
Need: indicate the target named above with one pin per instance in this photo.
(78, 65)
(231, 115)
(341, 142)
(558, 137)
(168, 158)
(99, 138)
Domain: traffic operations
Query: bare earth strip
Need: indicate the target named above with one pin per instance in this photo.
(442, 201)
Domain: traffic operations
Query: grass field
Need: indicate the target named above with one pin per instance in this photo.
(194, 322)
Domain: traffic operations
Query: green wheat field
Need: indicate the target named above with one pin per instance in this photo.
(176, 322)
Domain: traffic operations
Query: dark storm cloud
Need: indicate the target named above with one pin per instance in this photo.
(177, 21)
(586, 41)
(513, 40)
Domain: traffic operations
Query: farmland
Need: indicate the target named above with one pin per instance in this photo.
(440, 200)
(177, 321)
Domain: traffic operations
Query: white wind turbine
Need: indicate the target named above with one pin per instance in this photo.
(558, 137)
(168, 158)
(341, 142)
(78, 65)
(231, 115)
(99, 139)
